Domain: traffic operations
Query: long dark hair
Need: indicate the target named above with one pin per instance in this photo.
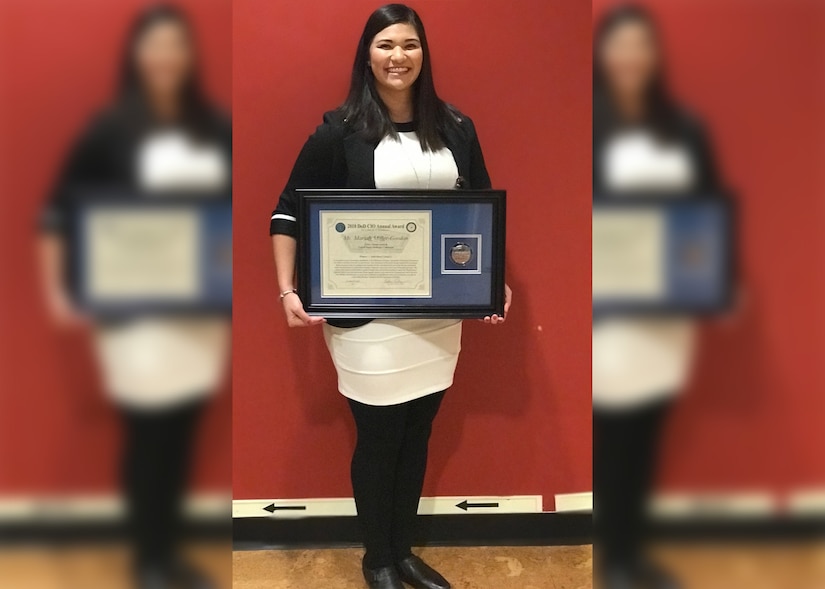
(131, 102)
(661, 112)
(365, 110)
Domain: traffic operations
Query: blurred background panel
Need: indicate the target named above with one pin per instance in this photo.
(740, 454)
(60, 437)
(59, 68)
(753, 71)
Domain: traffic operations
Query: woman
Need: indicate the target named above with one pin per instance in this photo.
(391, 132)
(159, 134)
(642, 142)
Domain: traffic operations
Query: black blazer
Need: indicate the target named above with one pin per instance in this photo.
(335, 156)
(104, 156)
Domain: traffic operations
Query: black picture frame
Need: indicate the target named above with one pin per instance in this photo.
(214, 213)
(308, 266)
(726, 206)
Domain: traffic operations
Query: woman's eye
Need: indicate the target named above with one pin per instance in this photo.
(411, 47)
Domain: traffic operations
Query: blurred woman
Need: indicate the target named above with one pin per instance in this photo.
(160, 134)
(392, 132)
(643, 141)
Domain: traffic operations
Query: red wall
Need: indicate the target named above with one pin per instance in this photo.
(517, 420)
(58, 59)
(754, 72)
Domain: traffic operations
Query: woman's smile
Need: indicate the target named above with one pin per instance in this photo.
(396, 57)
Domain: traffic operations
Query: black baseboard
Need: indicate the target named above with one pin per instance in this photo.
(534, 529)
(539, 529)
(106, 532)
(708, 529)
(523, 529)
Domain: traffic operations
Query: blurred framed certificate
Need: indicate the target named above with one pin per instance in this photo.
(667, 255)
(401, 253)
(153, 255)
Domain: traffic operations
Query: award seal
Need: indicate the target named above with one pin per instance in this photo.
(461, 254)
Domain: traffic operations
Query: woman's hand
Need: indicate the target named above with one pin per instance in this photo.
(739, 307)
(295, 314)
(58, 300)
(508, 298)
(63, 311)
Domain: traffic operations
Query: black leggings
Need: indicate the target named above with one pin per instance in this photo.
(388, 468)
(625, 443)
(155, 469)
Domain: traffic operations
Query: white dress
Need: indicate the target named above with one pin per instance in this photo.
(387, 362)
(154, 363)
(637, 361)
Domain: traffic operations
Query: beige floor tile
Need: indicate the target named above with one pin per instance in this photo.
(466, 568)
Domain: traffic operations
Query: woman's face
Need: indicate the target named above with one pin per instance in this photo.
(629, 58)
(164, 58)
(396, 57)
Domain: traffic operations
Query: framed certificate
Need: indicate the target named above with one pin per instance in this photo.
(667, 255)
(401, 253)
(152, 255)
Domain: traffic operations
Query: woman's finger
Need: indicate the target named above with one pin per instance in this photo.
(306, 319)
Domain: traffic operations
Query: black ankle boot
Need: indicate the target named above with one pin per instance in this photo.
(616, 578)
(190, 577)
(655, 577)
(382, 578)
(635, 574)
(152, 577)
(419, 574)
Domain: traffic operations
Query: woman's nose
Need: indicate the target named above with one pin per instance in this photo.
(398, 54)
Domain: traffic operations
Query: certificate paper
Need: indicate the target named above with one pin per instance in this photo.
(629, 254)
(142, 254)
(376, 254)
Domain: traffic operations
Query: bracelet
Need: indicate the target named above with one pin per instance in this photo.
(289, 292)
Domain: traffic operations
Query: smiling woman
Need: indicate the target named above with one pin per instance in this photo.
(392, 132)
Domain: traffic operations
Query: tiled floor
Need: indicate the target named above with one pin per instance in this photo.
(791, 566)
(92, 567)
(698, 566)
(755, 566)
(558, 567)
